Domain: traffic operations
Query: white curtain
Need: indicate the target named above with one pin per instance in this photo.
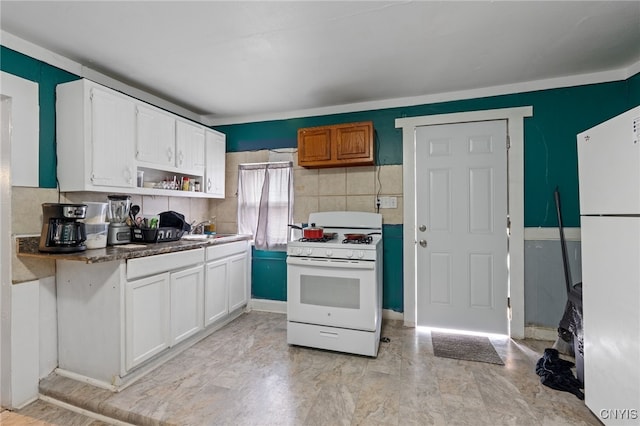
(265, 203)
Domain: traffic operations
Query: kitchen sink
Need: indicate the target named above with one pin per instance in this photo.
(204, 237)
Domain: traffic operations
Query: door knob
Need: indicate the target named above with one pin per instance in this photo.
(423, 243)
(422, 228)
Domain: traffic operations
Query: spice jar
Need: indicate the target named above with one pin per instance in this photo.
(185, 184)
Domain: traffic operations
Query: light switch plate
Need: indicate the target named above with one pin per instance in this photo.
(388, 202)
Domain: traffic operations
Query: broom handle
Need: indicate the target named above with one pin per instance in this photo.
(563, 243)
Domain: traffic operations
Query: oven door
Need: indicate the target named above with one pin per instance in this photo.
(332, 292)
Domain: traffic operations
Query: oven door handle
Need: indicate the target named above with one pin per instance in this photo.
(330, 263)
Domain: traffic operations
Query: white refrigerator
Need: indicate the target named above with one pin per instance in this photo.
(609, 187)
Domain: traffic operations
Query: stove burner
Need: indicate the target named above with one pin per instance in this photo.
(324, 239)
(364, 240)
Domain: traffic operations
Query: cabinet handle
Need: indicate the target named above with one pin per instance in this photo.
(209, 185)
(170, 153)
(180, 158)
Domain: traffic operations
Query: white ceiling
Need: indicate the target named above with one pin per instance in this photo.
(241, 60)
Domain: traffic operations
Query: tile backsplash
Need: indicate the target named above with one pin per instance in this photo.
(333, 189)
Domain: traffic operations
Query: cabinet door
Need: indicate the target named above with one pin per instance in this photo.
(186, 303)
(238, 267)
(215, 147)
(112, 139)
(189, 147)
(146, 318)
(354, 142)
(155, 136)
(216, 296)
(314, 145)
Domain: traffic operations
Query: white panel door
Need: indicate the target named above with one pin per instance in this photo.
(461, 225)
(215, 147)
(190, 147)
(238, 266)
(155, 136)
(186, 303)
(146, 318)
(216, 299)
(112, 139)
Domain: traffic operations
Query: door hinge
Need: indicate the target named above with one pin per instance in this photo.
(508, 302)
(508, 142)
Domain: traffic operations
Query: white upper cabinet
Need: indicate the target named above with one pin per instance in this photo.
(190, 147)
(215, 148)
(104, 138)
(95, 137)
(155, 136)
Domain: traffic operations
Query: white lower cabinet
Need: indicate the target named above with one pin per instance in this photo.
(120, 318)
(216, 302)
(186, 303)
(238, 291)
(147, 318)
(227, 279)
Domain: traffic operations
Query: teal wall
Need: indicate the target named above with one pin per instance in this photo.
(550, 157)
(550, 136)
(550, 151)
(48, 78)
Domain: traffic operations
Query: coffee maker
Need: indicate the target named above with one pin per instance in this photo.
(119, 231)
(61, 230)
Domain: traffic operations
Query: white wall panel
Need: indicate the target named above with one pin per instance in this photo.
(48, 332)
(25, 344)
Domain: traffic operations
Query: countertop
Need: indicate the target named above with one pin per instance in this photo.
(28, 247)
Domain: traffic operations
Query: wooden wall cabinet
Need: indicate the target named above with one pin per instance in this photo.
(338, 145)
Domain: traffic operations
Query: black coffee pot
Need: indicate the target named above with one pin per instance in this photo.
(61, 230)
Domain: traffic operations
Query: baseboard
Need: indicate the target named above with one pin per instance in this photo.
(266, 305)
(540, 333)
(280, 307)
(551, 234)
(392, 315)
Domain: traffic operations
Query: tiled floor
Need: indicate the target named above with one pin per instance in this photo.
(246, 374)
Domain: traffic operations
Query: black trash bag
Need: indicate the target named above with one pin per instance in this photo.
(556, 373)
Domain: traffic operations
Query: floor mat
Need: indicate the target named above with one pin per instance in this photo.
(469, 348)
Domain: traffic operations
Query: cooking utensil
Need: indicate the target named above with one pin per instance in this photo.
(133, 212)
(312, 232)
(359, 236)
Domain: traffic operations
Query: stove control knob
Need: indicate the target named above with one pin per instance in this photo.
(329, 253)
(309, 251)
(350, 254)
(297, 251)
(360, 254)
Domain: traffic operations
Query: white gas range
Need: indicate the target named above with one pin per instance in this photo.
(334, 286)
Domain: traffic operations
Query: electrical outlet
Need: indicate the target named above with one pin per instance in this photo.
(388, 202)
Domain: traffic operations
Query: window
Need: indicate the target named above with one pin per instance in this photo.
(265, 203)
